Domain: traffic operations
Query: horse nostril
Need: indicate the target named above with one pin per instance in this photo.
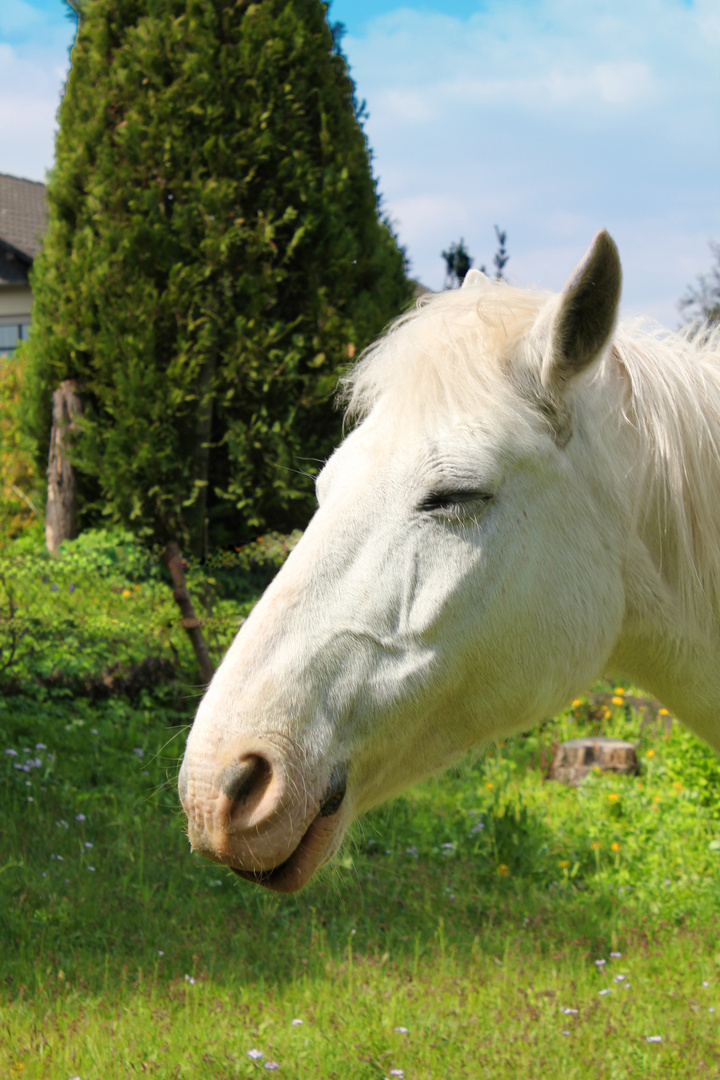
(245, 779)
(333, 797)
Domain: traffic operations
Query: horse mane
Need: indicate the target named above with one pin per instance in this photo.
(675, 408)
(454, 350)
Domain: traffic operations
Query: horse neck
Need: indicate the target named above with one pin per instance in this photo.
(667, 397)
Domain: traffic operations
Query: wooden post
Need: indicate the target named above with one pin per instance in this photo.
(61, 509)
(174, 562)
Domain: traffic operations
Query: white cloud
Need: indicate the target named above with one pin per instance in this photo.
(551, 119)
(29, 97)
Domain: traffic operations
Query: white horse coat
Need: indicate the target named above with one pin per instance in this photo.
(531, 497)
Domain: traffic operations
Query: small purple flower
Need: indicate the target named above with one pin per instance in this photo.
(189, 979)
(564, 1032)
(54, 588)
(44, 579)
(255, 1054)
(271, 1065)
(11, 753)
(397, 1072)
(89, 845)
(160, 952)
(653, 1038)
(569, 1012)
(705, 983)
(40, 746)
(139, 751)
(615, 955)
(607, 990)
(296, 1022)
(619, 978)
(600, 963)
(72, 586)
(91, 869)
(401, 1030)
(80, 817)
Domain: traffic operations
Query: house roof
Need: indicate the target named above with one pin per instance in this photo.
(23, 214)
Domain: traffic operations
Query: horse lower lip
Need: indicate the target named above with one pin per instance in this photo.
(298, 868)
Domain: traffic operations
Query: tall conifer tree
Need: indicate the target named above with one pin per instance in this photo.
(214, 258)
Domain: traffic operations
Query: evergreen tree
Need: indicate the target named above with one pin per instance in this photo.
(214, 258)
(457, 263)
(701, 303)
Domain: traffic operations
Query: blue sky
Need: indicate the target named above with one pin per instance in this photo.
(550, 118)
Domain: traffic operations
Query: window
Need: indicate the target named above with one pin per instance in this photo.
(11, 334)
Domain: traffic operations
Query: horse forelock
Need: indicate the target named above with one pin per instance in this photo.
(447, 358)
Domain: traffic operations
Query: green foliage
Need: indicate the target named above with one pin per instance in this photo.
(458, 262)
(214, 257)
(103, 606)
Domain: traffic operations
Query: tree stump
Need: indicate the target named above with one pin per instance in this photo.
(574, 759)
(61, 507)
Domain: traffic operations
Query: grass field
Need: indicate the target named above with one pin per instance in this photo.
(489, 923)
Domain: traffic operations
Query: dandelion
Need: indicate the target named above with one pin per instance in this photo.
(613, 796)
(657, 799)
(596, 845)
(617, 700)
(614, 846)
(564, 863)
(663, 712)
(577, 703)
(503, 870)
(619, 690)
(489, 785)
(254, 1054)
(650, 753)
(125, 593)
(677, 785)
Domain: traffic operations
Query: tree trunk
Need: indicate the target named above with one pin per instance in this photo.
(61, 509)
(190, 622)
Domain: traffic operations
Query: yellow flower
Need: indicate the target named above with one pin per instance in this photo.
(125, 593)
(657, 798)
(619, 690)
(596, 845)
(606, 713)
(677, 785)
(577, 703)
(564, 863)
(614, 846)
(503, 870)
(613, 796)
(663, 712)
(650, 753)
(489, 786)
(617, 700)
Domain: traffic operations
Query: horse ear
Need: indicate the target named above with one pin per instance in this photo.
(585, 319)
(475, 279)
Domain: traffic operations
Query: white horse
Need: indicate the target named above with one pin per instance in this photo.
(531, 498)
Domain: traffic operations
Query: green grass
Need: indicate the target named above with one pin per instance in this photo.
(471, 911)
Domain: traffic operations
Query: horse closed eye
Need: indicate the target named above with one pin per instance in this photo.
(452, 501)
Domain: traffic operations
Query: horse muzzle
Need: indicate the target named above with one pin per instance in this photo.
(256, 811)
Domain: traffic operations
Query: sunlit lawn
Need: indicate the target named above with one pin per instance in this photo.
(459, 934)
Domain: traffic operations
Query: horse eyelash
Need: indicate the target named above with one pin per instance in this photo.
(451, 500)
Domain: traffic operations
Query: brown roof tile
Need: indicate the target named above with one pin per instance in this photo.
(23, 214)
